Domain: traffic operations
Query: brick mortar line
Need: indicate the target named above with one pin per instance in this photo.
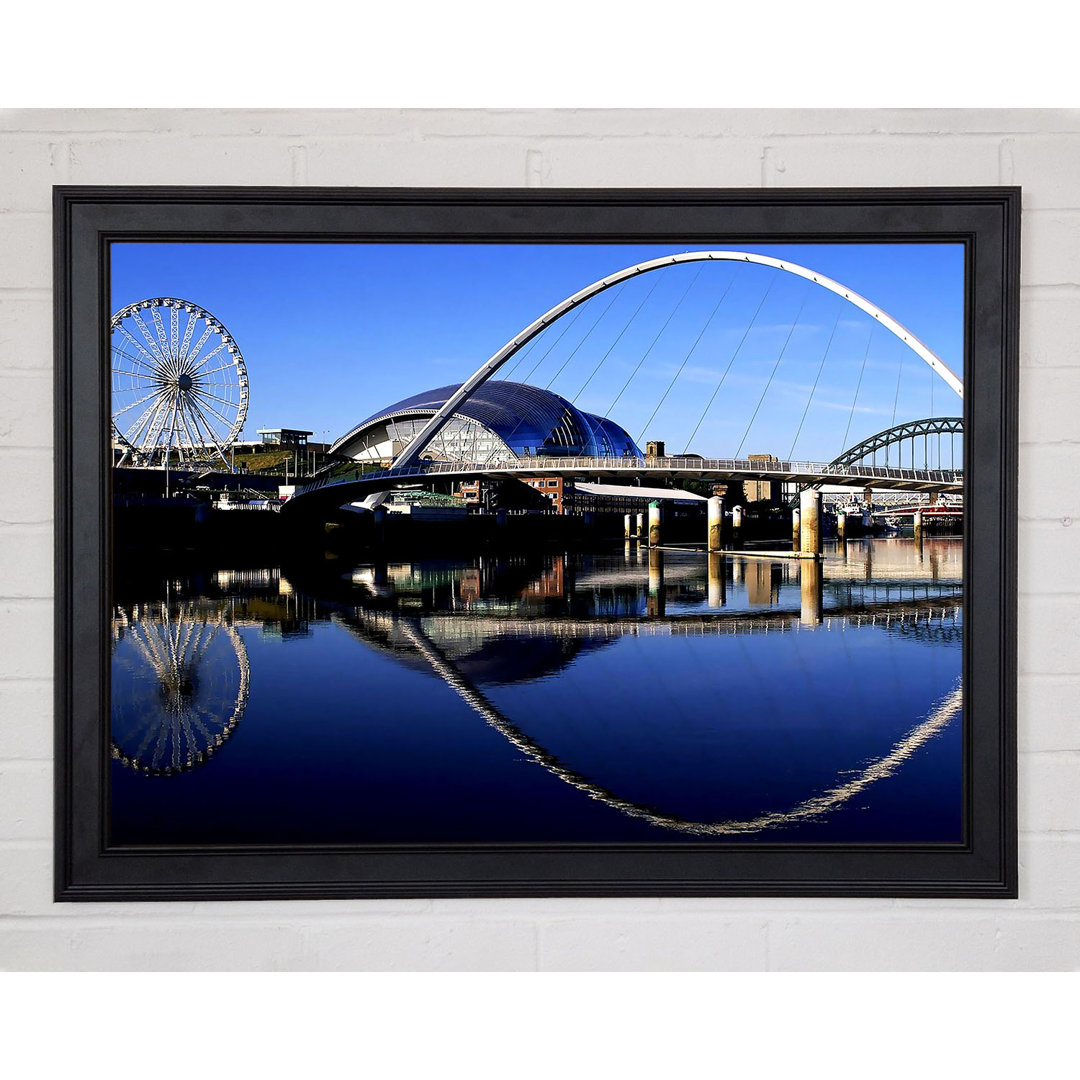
(412, 122)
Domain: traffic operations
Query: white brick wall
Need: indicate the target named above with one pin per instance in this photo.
(1038, 149)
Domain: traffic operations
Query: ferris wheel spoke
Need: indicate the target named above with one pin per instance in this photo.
(161, 743)
(170, 430)
(189, 330)
(155, 361)
(196, 723)
(187, 652)
(147, 644)
(212, 371)
(174, 331)
(203, 424)
(133, 433)
(213, 440)
(159, 326)
(173, 631)
(189, 737)
(157, 428)
(201, 397)
(203, 643)
(149, 440)
(204, 337)
(213, 397)
(187, 430)
(135, 404)
(154, 367)
(206, 438)
(151, 730)
(197, 398)
(137, 375)
(158, 354)
(192, 367)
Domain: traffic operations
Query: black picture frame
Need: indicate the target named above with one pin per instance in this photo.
(88, 219)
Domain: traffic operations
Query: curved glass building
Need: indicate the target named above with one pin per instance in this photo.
(501, 421)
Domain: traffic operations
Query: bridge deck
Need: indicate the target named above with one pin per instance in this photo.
(722, 470)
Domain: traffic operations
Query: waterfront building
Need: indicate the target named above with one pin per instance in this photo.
(770, 491)
(499, 422)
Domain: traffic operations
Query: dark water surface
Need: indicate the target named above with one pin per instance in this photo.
(562, 698)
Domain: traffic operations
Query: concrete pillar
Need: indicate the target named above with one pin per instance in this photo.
(917, 525)
(628, 526)
(716, 523)
(736, 517)
(810, 592)
(654, 524)
(655, 604)
(795, 529)
(716, 579)
(810, 521)
(841, 525)
(639, 528)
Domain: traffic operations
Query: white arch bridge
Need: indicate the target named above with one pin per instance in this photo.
(850, 469)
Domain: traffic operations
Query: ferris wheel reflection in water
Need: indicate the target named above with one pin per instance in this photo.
(181, 675)
(180, 681)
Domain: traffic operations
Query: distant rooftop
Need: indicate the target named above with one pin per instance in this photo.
(285, 436)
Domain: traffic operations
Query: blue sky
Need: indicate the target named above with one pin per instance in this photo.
(735, 352)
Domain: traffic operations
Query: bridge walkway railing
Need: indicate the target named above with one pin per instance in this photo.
(684, 465)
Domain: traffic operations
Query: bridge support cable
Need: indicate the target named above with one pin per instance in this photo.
(596, 322)
(569, 324)
(896, 401)
(813, 389)
(738, 349)
(615, 296)
(776, 367)
(858, 387)
(519, 357)
(652, 344)
(686, 358)
(573, 400)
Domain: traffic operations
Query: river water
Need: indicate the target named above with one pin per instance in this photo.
(622, 695)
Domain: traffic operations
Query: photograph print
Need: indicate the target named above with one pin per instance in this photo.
(536, 543)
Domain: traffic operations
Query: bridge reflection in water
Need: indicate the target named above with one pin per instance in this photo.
(629, 695)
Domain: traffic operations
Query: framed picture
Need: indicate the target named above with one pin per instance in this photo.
(451, 543)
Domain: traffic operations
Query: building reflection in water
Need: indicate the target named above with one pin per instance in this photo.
(181, 674)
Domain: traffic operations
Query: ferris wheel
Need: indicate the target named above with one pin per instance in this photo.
(179, 683)
(179, 384)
